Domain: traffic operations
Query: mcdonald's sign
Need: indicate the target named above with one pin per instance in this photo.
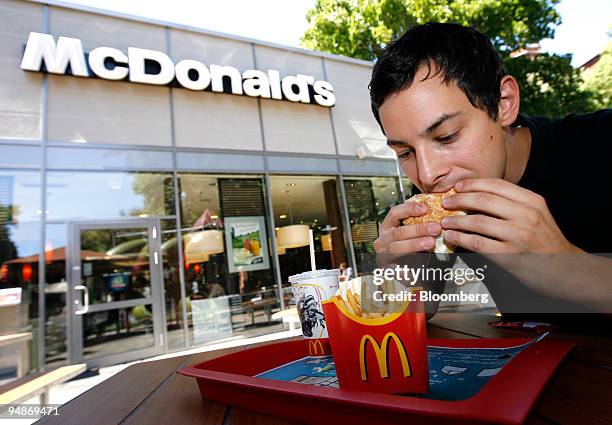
(315, 348)
(382, 355)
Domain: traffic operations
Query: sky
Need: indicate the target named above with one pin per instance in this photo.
(582, 33)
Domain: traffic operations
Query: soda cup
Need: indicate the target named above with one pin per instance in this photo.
(310, 289)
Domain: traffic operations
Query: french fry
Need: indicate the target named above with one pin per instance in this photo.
(349, 297)
(341, 302)
(357, 297)
(354, 301)
(348, 302)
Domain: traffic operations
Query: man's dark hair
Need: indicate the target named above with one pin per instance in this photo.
(458, 54)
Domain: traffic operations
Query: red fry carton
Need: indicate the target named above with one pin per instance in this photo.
(384, 355)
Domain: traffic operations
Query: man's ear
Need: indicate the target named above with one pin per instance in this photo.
(509, 101)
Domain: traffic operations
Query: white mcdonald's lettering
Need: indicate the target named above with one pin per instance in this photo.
(112, 64)
(42, 48)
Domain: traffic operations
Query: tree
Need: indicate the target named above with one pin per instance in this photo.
(157, 192)
(8, 249)
(99, 240)
(549, 85)
(598, 80)
(362, 28)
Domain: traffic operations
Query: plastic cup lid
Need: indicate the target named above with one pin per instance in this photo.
(314, 274)
(295, 277)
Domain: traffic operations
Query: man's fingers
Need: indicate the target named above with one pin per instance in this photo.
(482, 202)
(413, 231)
(410, 246)
(481, 224)
(476, 243)
(406, 232)
(498, 187)
(399, 212)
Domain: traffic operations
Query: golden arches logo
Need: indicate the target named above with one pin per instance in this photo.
(382, 355)
(312, 348)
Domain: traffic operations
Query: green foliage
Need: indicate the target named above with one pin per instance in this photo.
(100, 240)
(157, 194)
(598, 80)
(362, 28)
(8, 249)
(549, 85)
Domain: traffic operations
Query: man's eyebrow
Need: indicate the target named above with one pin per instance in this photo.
(429, 130)
(440, 120)
(398, 143)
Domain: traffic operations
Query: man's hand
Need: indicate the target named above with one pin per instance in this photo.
(396, 243)
(396, 240)
(505, 218)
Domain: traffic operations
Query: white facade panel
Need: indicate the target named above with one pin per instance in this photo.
(98, 30)
(210, 50)
(20, 91)
(216, 120)
(204, 119)
(295, 127)
(87, 110)
(288, 62)
(353, 120)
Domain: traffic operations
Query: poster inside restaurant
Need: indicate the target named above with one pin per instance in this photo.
(247, 239)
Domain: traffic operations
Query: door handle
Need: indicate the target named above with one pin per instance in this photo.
(85, 299)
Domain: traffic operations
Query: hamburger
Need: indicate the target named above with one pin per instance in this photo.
(435, 213)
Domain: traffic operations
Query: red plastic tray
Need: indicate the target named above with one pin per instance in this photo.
(505, 399)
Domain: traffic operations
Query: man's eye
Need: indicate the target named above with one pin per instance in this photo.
(448, 139)
(405, 154)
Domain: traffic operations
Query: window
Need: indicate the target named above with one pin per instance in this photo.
(19, 247)
(229, 280)
(369, 199)
(303, 203)
(94, 195)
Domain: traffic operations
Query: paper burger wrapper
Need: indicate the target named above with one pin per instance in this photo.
(443, 247)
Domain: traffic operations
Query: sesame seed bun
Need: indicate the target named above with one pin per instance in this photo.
(435, 213)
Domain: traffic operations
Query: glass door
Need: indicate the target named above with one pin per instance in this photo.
(115, 291)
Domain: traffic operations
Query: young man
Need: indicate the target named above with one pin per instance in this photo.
(532, 186)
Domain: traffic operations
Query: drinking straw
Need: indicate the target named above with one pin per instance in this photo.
(312, 251)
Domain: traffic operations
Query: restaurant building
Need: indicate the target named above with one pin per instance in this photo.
(158, 182)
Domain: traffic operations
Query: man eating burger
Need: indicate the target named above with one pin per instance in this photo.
(534, 188)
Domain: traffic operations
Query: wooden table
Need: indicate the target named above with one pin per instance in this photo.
(580, 392)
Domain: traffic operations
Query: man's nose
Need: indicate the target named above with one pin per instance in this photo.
(431, 170)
